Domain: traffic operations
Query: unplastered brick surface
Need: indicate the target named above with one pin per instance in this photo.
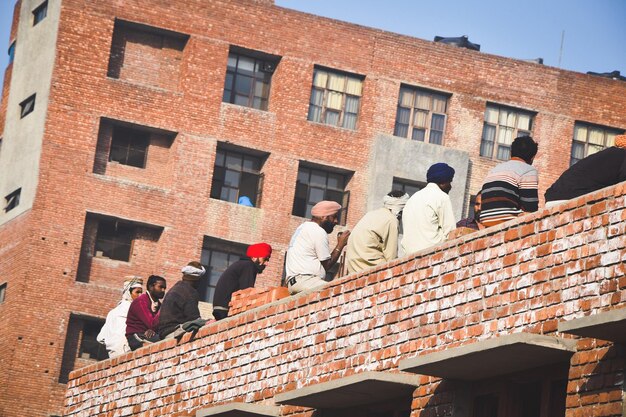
(524, 276)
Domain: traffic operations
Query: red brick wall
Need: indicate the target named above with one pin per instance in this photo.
(190, 104)
(548, 267)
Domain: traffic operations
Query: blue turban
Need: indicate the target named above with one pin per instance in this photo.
(440, 173)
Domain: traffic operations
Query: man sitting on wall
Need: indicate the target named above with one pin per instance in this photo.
(473, 222)
(240, 275)
(143, 314)
(427, 219)
(309, 255)
(180, 312)
(374, 239)
(511, 188)
(597, 171)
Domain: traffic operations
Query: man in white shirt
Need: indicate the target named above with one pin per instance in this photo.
(309, 255)
(428, 218)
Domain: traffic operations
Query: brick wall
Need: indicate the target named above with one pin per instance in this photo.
(551, 266)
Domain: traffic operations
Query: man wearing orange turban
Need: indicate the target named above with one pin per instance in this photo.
(240, 275)
(309, 256)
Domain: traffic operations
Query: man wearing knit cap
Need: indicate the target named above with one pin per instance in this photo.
(374, 239)
(428, 217)
(596, 171)
(511, 188)
(309, 256)
(180, 312)
(238, 276)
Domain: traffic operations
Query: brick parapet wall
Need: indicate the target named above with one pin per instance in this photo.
(524, 276)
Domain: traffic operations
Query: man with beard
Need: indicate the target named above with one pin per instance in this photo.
(309, 256)
(143, 314)
(240, 275)
(473, 222)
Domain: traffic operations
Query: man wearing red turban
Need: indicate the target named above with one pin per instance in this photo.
(240, 275)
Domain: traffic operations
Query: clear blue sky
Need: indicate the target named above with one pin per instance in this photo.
(595, 30)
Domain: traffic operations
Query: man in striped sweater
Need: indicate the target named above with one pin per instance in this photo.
(511, 188)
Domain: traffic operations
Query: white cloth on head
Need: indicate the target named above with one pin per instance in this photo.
(395, 204)
(130, 283)
(307, 249)
(193, 271)
(427, 219)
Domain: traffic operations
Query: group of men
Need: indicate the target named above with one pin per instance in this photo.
(509, 190)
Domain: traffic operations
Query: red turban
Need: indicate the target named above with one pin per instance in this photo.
(325, 208)
(259, 250)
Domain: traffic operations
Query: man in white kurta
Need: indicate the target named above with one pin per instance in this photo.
(428, 217)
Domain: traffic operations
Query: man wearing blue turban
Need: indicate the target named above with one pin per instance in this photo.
(428, 216)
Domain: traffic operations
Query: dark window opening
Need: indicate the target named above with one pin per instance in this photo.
(408, 186)
(335, 98)
(248, 79)
(237, 175)
(12, 200)
(3, 292)
(114, 240)
(589, 139)
(27, 106)
(216, 256)
(421, 115)
(502, 125)
(81, 347)
(40, 12)
(12, 52)
(316, 184)
(129, 146)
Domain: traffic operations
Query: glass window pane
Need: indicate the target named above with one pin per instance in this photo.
(250, 164)
(596, 136)
(241, 100)
(303, 176)
(219, 261)
(504, 153)
(228, 82)
(423, 101)
(318, 178)
(243, 84)
(505, 135)
(354, 87)
(334, 100)
(337, 82)
(594, 149)
(403, 116)
(231, 178)
(406, 97)
(491, 115)
(440, 103)
(261, 89)
(436, 137)
(320, 78)
(578, 151)
(316, 195)
(401, 130)
(352, 104)
(437, 122)
(317, 96)
(419, 134)
(245, 64)
(523, 121)
(610, 139)
(335, 181)
(486, 148)
(334, 195)
(332, 118)
(315, 113)
(232, 60)
(580, 133)
(349, 121)
(233, 161)
(419, 119)
(219, 158)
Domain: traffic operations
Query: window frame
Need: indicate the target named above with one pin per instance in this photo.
(220, 169)
(73, 346)
(309, 203)
(266, 65)
(210, 245)
(401, 184)
(133, 142)
(99, 240)
(414, 109)
(27, 106)
(3, 291)
(496, 144)
(12, 200)
(325, 94)
(40, 12)
(608, 133)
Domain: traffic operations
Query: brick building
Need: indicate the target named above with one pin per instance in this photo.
(131, 129)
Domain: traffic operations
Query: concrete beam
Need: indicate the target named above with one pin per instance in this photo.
(609, 325)
(355, 390)
(493, 357)
(240, 410)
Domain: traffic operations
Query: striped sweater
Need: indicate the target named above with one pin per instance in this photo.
(510, 189)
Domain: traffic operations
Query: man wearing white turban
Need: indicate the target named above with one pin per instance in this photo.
(374, 239)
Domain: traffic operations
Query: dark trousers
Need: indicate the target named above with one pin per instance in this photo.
(220, 314)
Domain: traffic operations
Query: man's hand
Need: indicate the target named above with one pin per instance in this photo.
(342, 239)
(149, 333)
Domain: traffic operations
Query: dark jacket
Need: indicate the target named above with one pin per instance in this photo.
(179, 306)
(240, 275)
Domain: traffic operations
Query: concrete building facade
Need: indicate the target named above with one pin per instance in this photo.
(131, 129)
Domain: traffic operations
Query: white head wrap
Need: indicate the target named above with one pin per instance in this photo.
(395, 204)
(130, 282)
(193, 271)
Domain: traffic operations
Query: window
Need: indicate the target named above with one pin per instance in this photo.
(40, 12)
(217, 255)
(335, 98)
(27, 106)
(3, 292)
(248, 78)
(12, 52)
(129, 146)
(114, 240)
(236, 175)
(81, 347)
(316, 184)
(589, 139)
(421, 115)
(408, 186)
(12, 200)
(502, 125)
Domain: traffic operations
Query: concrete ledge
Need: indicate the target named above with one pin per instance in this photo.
(494, 357)
(240, 410)
(355, 390)
(609, 325)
